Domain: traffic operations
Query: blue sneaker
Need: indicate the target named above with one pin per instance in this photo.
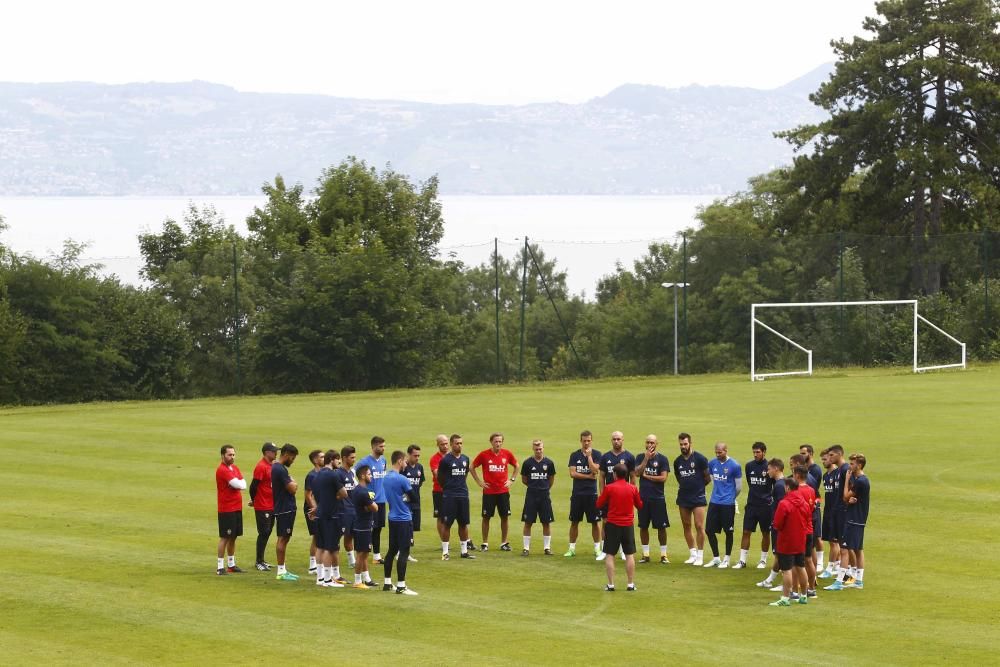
(835, 586)
(825, 574)
(858, 584)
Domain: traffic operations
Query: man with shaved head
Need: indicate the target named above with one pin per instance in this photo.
(442, 448)
(727, 482)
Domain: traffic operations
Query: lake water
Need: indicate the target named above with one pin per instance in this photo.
(587, 235)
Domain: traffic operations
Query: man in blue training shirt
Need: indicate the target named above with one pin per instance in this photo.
(453, 471)
(727, 482)
(376, 463)
(398, 489)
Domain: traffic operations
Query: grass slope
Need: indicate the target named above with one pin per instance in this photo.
(109, 530)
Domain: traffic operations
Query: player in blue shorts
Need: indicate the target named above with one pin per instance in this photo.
(829, 508)
(329, 492)
(366, 509)
(348, 455)
(584, 469)
(284, 487)
(452, 475)
(776, 471)
(538, 474)
(414, 471)
(652, 469)
(309, 508)
(691, 471)
(857, 494)
(758, 510)
(727, 482)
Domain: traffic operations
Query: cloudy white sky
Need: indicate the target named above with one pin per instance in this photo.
(515, 51)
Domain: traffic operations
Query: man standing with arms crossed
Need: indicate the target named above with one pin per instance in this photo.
(376, 463)
(495, 483)
(619, 500)
(691, 471)
(727, 482)
(652, 469)
(262, 501)
(348, 480)
(398, 491)
(414, 471)
(284, 488)
(538, 474)
(309, 509)
(758, 510)
(829, 508)
(452, 475)
(583, 469)
(229, 484)
(436, 492)
(857, 493)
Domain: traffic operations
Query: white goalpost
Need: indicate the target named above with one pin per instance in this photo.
(917, 318)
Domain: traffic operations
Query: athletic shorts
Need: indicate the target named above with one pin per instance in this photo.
(328, 532)
(854, 537)
(691, 503)
(415, 517)
(653, 511)
(616, 537)
(496, 501)
(583, 506)
(285, 523)
(754, 517)
(719, 518)
(810, 545)
(827, 529)
(400, 536)
(537, 508)
(436, 498)
(311, 525)
(231, 524)
(817, 524)
(346, 523)
(839, 519)
(380, 517)
(787, 561)
(362, 540)
(265, 521)
(454, 509)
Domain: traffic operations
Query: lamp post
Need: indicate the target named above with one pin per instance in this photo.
(675, 286)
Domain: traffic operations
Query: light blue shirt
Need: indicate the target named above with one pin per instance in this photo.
(724, 476)
(396, 487)
(378, 474)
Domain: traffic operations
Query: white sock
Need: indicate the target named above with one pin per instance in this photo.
(701, 554)
(645, 551)
(743, 555)
(327, 573)
(725, 559)
(444, 547)
(547, 541)
(222, 564)
(387, 580)
(232, 561)
(771, 577)
(572, 546)
(378, 555)
(351, 558)
(320, 571)
(336, 572)
(366, 577)
(357, 577)
(694, 552)
(526, 539)
(763, 556)
(663, 549)
(861, 574)
(312, 562)
(281, 569)
(597, 546)
(819, 560)
(401, 584)
(841, 575)
(464, 546)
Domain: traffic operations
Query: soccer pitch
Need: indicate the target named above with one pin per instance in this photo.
(109, 530)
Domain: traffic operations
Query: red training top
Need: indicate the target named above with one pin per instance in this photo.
(788, 522)
(435, 464)
(620, 498)
(229, 499)
(263, 499)
(809, 495)
(495, 470)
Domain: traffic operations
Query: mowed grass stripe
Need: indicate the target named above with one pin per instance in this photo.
(125, 491)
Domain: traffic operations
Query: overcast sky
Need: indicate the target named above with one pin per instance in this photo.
(515, 51)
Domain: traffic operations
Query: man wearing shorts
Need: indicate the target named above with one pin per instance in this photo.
(538, 474)
(495, 483)
(376, 463)
(691, 471)
(829, 508)
(283, 487)
(727, 482)
(329, 492)
(791, 539)
(857, 493)
(436, 492)
(414, 471)
(309, 509)
(758, 510)
(452, 475)
(618, 502)
(262, 501)
(366, 509)
(617, 454)
(652, 469)
(348, 480)
(583, 469)
(229, 485)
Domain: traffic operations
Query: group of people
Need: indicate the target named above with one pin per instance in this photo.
(353, 501)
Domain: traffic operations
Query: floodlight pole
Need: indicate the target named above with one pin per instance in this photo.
(675, 286)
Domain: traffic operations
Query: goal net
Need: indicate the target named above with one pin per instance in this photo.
(846, 333)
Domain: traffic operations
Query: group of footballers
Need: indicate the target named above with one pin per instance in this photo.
(352, 501)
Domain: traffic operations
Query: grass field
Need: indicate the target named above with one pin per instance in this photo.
(108, 531)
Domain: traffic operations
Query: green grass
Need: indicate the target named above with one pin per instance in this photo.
(108, 530)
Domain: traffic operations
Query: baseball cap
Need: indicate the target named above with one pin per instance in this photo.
(268, 447)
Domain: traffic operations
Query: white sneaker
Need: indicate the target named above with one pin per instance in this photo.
(411, 559)
(776, 589)
(762, 565)
(405, 591)
(724, 564)
(763, 584)
(690, 560)
(715, 562)
(333, 584)
(600, 556)
(739, 566)
(698, 562)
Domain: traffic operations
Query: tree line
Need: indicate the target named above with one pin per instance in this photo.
(895, 195)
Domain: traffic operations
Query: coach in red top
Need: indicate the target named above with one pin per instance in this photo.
(789, 522)
(229, 485)
(621, 500)
(262, 500)
(495, 483)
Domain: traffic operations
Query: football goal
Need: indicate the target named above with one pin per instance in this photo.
(796, 352)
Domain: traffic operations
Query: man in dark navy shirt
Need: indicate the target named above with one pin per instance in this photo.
(366, 510)
(617, 455)
(284, 488)
(758, 510)
(829, 509)
(857, 493)
(329, 491)
(309, 508)
(776, 471)
(652, 469)
(414, 471)
(691, 471)
(538, 474)
(452, 474)
(583, 469)
(348, 457)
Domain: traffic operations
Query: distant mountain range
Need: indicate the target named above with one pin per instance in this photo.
(206, 139)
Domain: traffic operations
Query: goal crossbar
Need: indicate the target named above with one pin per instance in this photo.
(917, 318)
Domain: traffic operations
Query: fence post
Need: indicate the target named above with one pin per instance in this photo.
(840, 296)
(496, 299)
(986, 285)
(236, 324)
(684, 293)
(524, 294)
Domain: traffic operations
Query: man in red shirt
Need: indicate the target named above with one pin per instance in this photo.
(620, 499)
(442, 445)
(229, 485)
(495, 483)
(262, 501)
(791, 543)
